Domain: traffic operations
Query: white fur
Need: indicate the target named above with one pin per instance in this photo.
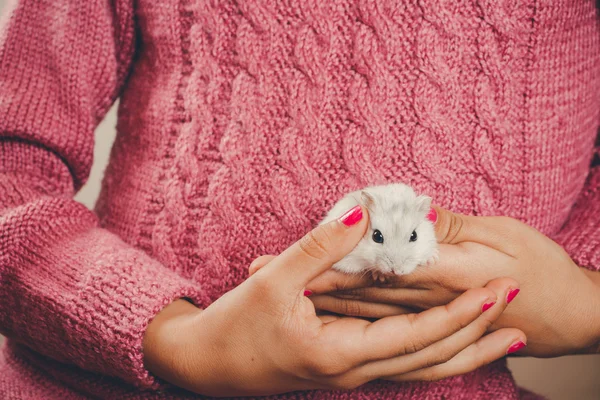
(395, 211)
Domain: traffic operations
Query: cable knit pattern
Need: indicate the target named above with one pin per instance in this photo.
(240, 124)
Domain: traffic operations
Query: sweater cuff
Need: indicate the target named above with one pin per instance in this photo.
(114, 301)
(87, 298)
(580, 236)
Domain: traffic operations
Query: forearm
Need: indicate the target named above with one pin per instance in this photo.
(593, 276)
(594, 279)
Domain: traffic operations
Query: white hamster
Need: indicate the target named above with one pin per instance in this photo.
(399, 238)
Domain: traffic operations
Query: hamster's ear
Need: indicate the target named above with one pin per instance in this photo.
(367, 200)
(423, 203)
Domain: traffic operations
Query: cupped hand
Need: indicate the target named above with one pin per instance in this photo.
(265, 337)
(558, 306)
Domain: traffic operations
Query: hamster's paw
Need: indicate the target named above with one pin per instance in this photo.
(380, 277)
(434, 258)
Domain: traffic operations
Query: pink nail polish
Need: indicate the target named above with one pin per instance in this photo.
(352, 216)
(307, 292)
(511, 295)
(515, 347)
(487, 306)
(432, 216)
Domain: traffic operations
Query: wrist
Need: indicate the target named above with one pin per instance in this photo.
(593, 278)
(162, 342)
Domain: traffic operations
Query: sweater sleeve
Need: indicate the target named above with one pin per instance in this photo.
(580, 236)
(69, 289)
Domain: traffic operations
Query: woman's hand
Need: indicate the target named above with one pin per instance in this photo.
(264, 336)
(558, 307)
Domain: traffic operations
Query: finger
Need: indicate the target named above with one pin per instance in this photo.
(421, 278)
(439, 283)
(421, 299)
(445, 349)
(357, 308)
(327, 318)
(458, 268)
(484, 351)
(317, 251)
(453, 228)
(259, 263)
(333, 281)
(405, 334)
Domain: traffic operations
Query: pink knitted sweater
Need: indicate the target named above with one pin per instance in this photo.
(236, 118)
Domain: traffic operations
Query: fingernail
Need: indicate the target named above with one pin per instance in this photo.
(512, 294)
(432, 216)
(487, 306)
(307, 292)
(352, 216)
(515, 347)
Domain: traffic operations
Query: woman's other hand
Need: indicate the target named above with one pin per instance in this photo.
(558, 306)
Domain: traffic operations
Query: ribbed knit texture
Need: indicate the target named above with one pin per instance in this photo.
(240, 124)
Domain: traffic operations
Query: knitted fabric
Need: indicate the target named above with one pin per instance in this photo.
(240, 124)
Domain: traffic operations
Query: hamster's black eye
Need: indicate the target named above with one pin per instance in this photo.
(413, 237)
(377, 236)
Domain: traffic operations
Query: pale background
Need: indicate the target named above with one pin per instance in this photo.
(565, 378)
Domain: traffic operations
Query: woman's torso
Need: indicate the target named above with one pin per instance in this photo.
(243, 122)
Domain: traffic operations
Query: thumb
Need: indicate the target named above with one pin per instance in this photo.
(453, 228)
(450, 228)
(259, 263)
(318, 250)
